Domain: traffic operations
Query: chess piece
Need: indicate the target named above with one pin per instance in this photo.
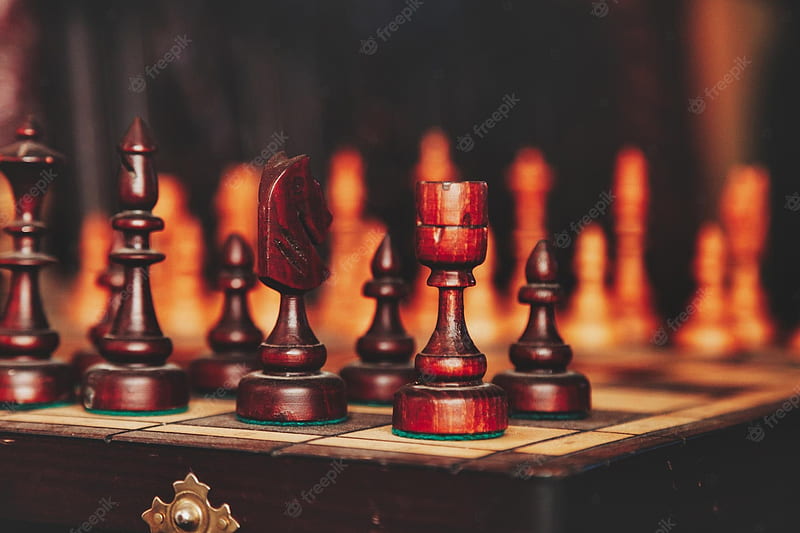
(449, 400)
(706, 332)
(112, 279)
(292, 220)
(236, 212)
(744, 209)
(635, 320)
(530, 179)
(587, 322)
(27, 374)
(136, 379)
(352, 239)
(540, 386)
(234, 338)
(386, 349)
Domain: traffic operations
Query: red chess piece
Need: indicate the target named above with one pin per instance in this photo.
(450, 401)
(136, 379)
(234, 338)
(27, 375)
(541, 386)
(292, 220)
(386, 349)
(113, 280)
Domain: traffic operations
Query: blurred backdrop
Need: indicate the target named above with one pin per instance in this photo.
(697, 86)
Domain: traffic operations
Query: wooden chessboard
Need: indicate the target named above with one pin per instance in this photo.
(643, 406)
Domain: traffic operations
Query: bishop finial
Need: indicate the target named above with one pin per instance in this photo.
(385, 263)
(138, 138)
(541, 266)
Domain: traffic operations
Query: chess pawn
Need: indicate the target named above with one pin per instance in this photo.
(112, 279)
(449, 400)
(27, 374)
(540, 386)
(587, 321)
(292, 220)
(635, 319)
(744, 210)
(136, 379)
(234, 338)
(386, 349)
(706, 332)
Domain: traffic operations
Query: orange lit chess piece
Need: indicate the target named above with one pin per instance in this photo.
(178, 287)
(634, 318)
(745, 216)
(529, 181)
(236, 212)
(353, 240)
(587, 322)
(88, 298)
(707, 332)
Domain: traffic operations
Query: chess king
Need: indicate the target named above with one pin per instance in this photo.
(292, 220)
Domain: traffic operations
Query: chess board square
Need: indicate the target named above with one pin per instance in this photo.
(642, 400)
(651, 423)
(253, 434)
(572, 443)
(416, 447)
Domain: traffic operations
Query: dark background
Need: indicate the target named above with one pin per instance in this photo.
(587, 85)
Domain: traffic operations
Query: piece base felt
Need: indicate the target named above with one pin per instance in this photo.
(290, 424)
(433, 436)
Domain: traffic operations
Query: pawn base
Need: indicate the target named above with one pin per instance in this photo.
(221, 375)
(135, 390)
(291, 399)
(375, 382)
(466, 412)
(34, 382)
(559, 395)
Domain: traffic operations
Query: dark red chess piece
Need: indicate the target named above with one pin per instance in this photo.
(136, 379)
(113, 280)
(386, 349)
(27, 375)
(292, 220)
(450, 400)
(541, 386)
(234, 338)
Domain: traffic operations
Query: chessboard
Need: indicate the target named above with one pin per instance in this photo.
(643, 404)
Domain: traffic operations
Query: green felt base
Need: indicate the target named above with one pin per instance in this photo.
(541, 415)
(433, 436)
(282, 423)
(139, 413)
(9, 406)
(370, 404)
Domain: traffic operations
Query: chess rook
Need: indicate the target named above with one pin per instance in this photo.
(27, 375)
(136, 378)
(449, 400)
(292, 220)
(541, 386)
(235, 337)
(386, 349)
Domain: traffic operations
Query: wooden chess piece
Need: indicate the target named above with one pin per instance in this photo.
(292, 220)
(635, 320)
(540, 386)
(386, 349)
(136, 379)
(235, 337)
(27, 374)
(112, 279)
(450, 400)
(706, 333)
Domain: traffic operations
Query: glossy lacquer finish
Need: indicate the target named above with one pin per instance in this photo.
(292, 220)
(449, 399)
